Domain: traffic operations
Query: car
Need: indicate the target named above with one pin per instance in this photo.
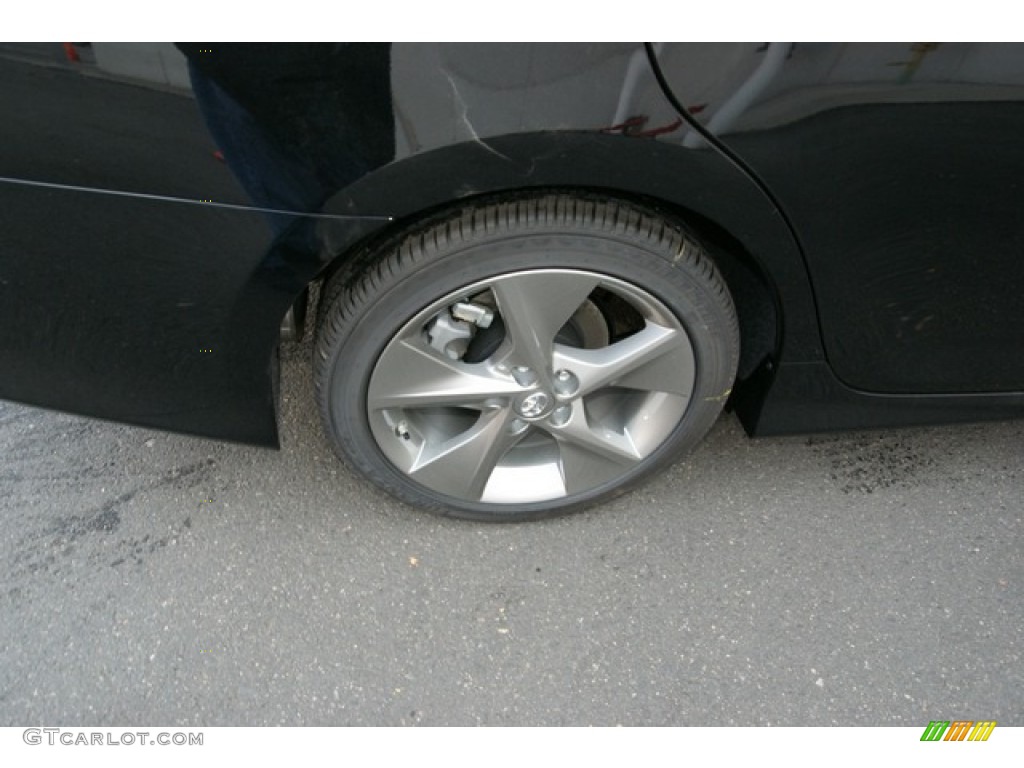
(542, 270)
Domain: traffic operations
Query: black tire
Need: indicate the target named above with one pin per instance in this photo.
(645, 341)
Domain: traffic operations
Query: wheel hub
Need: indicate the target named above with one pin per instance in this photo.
(535, 405)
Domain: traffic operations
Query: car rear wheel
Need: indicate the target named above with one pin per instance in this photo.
(525, 358)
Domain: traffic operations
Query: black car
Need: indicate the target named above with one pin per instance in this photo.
(543, 269)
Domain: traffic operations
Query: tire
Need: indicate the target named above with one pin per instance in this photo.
(525, 358)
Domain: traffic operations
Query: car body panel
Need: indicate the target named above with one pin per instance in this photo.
(154, 234)
(899, 167)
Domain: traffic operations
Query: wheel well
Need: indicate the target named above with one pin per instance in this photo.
(753, 293)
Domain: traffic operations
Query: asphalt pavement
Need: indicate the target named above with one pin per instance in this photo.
(871, 578)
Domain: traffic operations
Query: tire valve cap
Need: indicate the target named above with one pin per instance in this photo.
(402, 430)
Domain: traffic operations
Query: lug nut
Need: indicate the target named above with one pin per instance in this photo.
(517, 426)
(560, 416)
(524, 376)
(566, 383)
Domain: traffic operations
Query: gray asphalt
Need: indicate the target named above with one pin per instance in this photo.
(855, 579)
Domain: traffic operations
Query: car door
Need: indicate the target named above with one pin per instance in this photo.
(899, 167)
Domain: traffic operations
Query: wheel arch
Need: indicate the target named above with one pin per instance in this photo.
(702, 190)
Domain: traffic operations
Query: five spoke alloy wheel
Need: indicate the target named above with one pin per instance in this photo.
(525, 358)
